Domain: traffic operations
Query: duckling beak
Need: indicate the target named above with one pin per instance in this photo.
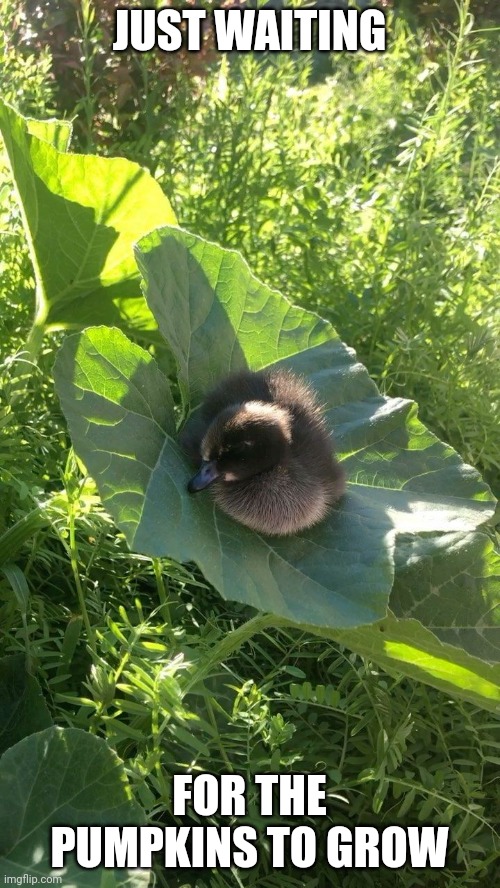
(208, 473)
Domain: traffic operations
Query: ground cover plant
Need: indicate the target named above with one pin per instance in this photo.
(141, 651)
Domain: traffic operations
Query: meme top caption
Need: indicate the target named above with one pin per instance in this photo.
(245, 30)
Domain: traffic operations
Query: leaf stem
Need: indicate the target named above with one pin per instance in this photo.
(76, 575)
(232, 642)
(35, 339)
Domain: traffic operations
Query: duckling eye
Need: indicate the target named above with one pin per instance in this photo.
(241, 446)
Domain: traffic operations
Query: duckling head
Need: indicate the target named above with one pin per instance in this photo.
(243, 441)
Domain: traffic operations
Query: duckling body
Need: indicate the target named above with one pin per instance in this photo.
(266, 452)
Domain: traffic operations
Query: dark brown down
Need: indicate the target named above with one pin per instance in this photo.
(267, 443)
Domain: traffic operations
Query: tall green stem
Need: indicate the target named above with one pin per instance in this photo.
(76, 576)
(232, 642)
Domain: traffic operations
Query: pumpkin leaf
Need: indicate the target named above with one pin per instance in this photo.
(218, 317)
(62, 776)
(117, 406)
(409, 527)
(97, 207)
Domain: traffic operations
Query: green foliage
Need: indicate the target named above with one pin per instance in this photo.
(122, 101)
(169, 686)
(126, 435)
(444, 13)
(98, 207)
(61, 777)
(399, 245)
(26, 81)
(372, 197)
(405, 488)
(24, 78)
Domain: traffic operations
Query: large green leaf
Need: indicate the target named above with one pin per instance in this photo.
(410, 525)
(82, 215)
(62, 777)
(217, 317)
(117, 406)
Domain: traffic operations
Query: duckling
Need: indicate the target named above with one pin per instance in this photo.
(266, 452)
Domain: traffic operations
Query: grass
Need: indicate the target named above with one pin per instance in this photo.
(372, 197)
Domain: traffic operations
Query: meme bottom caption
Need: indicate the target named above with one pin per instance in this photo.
(224, 847)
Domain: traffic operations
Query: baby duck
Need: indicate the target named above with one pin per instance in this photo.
(266, 452)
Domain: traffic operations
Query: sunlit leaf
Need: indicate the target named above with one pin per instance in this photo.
(81, 214)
